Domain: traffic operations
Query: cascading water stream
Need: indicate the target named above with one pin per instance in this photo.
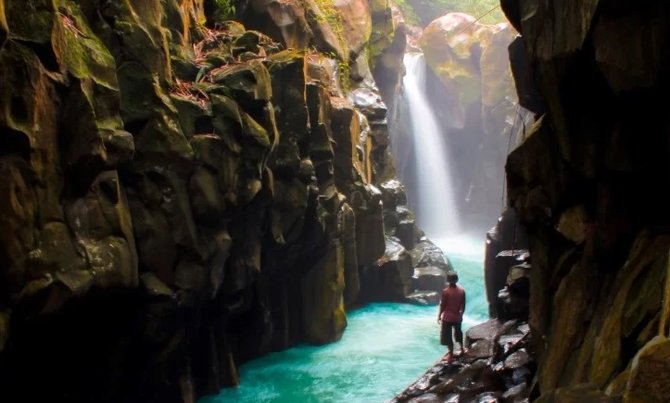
(434, 205)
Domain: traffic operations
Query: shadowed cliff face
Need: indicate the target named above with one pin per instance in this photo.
(177, 199)
(590, 183)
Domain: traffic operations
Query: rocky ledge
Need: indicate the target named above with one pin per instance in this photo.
(497, 367)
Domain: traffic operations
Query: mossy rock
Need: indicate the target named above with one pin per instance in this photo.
(161, 143)
(206, 200)
(194, 116)
(234, 28)
(327, 28)
(145, 40)
(120, 147)
(184, 69)
(139, 92)
(83, 147)
(208, 150)
(379, 5)
(451, 44)
(280, 59)
(226, 115)
(247, 82)
(255, 131)
(180, 18)
(35, 25)
(254, 42)
(218, 59)
(79, 50)
(288, 72)
(356, 24)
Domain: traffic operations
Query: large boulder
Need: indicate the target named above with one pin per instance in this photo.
(429, 278)
(390, 278)
(356, 23)
(451, 45)
(426, 253)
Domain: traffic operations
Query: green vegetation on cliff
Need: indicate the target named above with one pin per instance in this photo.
(422, 12)
(224, 9)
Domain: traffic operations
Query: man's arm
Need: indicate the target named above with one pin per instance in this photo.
(463, 306)
(439, 313)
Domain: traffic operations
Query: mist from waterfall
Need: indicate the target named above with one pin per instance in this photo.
(434, 203)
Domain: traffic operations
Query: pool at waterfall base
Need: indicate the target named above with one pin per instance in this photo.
(385, 347)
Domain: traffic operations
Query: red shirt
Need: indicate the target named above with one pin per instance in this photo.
(452, 304)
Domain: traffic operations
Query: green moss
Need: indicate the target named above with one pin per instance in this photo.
(408, 12)
(80, 51)
(249, 80)
(284, 57)
(383, 30)
(255, 131)
(333, 18)
(190, 110)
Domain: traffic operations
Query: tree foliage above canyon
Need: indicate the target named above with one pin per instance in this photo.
(422, 12)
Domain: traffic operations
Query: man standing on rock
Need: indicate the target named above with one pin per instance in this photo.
(452, 306)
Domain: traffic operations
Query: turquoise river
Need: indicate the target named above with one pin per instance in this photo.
(385, 347)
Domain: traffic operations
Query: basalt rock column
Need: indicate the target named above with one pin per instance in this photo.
(588, 184)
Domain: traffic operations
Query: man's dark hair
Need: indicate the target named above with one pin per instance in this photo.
(452, 277)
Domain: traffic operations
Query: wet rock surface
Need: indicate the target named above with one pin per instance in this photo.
(184, 193)
(497, 367)
(597, 224)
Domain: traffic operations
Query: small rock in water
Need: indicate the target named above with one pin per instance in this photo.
(424, 298)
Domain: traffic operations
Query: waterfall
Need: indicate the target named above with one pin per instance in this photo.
(434, 202)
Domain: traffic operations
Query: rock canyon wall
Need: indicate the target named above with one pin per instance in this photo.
(181, 193)
(590, 184)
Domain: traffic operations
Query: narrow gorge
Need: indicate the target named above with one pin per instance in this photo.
(194, 190)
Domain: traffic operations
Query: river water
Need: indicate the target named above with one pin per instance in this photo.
(385, 347)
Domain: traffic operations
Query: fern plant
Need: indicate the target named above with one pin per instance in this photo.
(224, 9)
